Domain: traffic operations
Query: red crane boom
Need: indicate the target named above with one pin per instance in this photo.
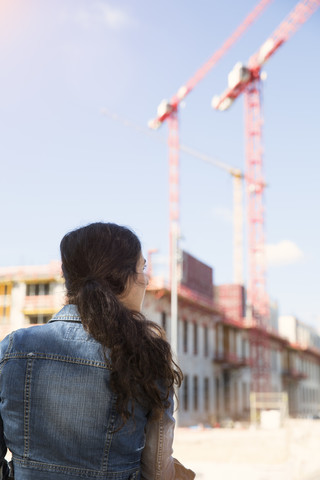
(242, 76)
(166, 108)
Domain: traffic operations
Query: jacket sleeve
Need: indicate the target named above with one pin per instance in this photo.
(157, 462)
(4, 469)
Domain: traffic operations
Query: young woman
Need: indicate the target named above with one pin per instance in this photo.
(90, 394)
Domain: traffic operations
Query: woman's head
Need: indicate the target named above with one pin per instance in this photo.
(106, 254)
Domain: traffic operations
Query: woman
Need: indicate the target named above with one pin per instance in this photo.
(89, 395)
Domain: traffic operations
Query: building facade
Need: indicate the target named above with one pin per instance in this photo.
(29, 295)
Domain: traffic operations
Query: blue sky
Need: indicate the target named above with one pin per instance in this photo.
(64, 164)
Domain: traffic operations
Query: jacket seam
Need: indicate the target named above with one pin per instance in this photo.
(160, 448)
(27, 406)
(57, 358)
(109, 436)
(10, 343)
(69, 319)
(3, 359)
(65, 317)
(68, 469)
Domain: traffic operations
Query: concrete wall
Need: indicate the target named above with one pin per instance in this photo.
(18, 294)
(288, 327)
(196, 346)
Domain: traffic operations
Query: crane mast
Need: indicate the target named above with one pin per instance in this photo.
(174, 224)
(237, 228)
(257, 293)
(257, 298)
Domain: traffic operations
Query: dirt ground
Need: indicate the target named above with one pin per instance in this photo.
(288, 453)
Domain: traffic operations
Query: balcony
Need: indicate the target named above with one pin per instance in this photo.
(39, 304)
(231, 361)
(293, 375)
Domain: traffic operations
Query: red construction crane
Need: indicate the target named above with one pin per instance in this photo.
(248, 80)
(168, 110)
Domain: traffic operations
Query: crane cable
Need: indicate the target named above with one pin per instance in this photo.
(236, 172)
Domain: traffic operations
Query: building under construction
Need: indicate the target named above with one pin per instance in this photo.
(243, 79)
(214, 346)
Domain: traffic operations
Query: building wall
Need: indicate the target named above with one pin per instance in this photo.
(17, 318)
(214, 389)
(288, 327)
(276, 367)
(196, 346)
(309, 388)
(274, 315)
(36, 293)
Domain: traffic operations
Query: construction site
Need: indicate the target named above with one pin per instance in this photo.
(249, 404)
(289, 453)
(275, 447)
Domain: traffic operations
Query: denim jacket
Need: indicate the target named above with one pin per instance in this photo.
(58, 413)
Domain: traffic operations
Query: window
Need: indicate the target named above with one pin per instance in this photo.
(38, 319)
(186, 392)
(205, 341)
(206, 394)
(245, 397)
(236, 396)
(195, 392)
(185, 336)
(164, 321)
(37, 289)
(195, 339)
(5, 300)
(243, 348)
(217, 392)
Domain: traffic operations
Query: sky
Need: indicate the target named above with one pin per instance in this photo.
(66, 164)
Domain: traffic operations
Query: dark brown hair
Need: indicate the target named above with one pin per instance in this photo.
(98, 261)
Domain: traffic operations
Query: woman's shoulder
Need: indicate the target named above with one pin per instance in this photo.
(63, 339)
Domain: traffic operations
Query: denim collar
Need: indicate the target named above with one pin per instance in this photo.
(69, 313)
